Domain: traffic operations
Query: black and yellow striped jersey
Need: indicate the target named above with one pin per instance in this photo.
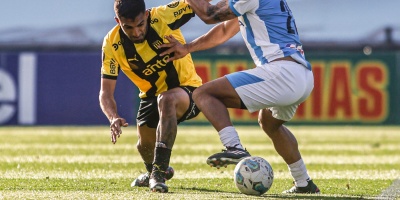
(141, 62)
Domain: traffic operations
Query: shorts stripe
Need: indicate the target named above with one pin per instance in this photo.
(241, 78)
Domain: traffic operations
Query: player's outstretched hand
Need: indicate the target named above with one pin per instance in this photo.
(175, 47)
(115, 127)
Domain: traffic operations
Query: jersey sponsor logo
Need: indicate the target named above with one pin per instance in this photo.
(153, 21)
(157, 44)
(116, 45)
(156, 67)
(18, 91)
(173, 4)
(113, 66)
(180, 11)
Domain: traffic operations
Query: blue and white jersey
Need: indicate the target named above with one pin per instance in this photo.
(269, 30)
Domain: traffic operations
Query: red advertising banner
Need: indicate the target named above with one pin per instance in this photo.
(348, 88)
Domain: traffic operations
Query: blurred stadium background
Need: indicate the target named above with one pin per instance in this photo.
(50, 58)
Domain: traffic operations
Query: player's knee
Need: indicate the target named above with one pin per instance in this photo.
(262, 121)
(138, 146)
(200, 93)
(267, 123)
(264, 125)
(166, 99)
(196, 95)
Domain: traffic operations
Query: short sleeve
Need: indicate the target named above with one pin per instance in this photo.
(240, 7)
(110, 66)
(175, 14)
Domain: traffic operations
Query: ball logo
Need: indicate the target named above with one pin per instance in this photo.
(173, 4)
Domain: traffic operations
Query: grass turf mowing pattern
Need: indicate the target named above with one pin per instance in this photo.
(225, 186)
(81, 162)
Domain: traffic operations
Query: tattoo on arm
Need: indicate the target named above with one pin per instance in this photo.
(221, 11)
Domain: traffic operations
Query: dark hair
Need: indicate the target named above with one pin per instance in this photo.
(129, 8)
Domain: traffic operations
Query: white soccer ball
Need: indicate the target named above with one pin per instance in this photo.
(253, 176)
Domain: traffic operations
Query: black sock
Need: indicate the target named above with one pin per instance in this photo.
(162, 157)
(149, 167)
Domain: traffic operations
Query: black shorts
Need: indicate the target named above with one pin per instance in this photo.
(148, 110)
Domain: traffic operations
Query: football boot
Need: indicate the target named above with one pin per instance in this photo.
(311, 188)
(157, 181)
(143, 179)
(228, 156)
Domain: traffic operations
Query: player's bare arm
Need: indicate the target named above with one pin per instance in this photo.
(109, 108)
(216, 36)
(212, 14)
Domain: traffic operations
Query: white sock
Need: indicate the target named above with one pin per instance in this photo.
(299, 173)
(229, 137)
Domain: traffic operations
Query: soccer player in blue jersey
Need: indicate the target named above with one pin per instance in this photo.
(281, 80)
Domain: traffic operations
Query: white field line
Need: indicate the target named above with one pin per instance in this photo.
(392, 192)
(205, 172)
(199, 147)
(92, 147)
(345, 159)
(130, 194)
(23, 194)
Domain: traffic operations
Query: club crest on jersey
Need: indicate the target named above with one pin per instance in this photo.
(173, 4)
(157, 44)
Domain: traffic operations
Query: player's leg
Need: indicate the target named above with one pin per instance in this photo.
(284, 141)
(293, 86)
(172, 105)
(145, 147)
(253, 89)
(147, 121)
(213, 98)
(274, 84)
(145, 144)
(286, 145)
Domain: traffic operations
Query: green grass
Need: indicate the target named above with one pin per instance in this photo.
(81, 163)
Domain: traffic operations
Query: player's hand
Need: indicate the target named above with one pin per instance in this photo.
(175, 47)
(115, 128)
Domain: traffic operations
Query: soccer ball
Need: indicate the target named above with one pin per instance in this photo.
(253, 176)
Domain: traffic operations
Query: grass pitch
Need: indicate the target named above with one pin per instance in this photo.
(81, 163)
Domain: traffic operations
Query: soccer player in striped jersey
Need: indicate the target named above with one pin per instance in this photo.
(281, 80)
(133, 47)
